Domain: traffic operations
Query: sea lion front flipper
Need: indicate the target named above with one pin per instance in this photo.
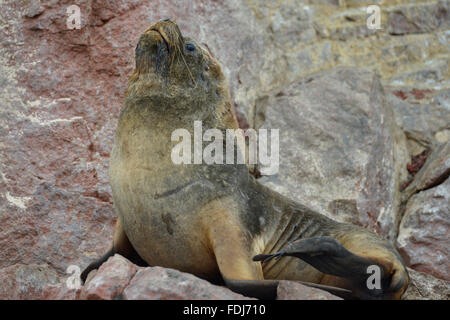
(325, 254)
(121, 245)
(233, 250)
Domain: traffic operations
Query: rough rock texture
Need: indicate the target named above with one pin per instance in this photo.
(434, 172)
(118, 278)
(340, 115)
(424, 116)
(289, 290)
(169, 284)
(33, 281)
(424, 232)
(110, 279)
(421, 18)
(426, 287)
(61, 91)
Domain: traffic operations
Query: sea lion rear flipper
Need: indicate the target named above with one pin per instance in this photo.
(325, 254)
(121, 245)
(95, 265)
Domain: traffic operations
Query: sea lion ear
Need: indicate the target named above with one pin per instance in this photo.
(327, 255)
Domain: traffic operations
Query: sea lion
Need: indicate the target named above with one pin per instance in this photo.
(214, 220)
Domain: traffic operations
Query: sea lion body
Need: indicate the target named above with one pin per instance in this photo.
(212, 219)
(171, 205)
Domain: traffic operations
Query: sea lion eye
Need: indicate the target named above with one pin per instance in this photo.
(190, 47)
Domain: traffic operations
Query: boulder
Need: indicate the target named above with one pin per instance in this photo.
(290, 290)
(423, 238)
(156, 283)
(426, 287)
(341, 152)
(110, 280)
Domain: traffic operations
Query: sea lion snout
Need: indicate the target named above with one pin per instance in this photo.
(158, 47)
(152, 53)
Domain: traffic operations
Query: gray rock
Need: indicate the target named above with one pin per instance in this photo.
(340, 151)
(420, 18)
(422, 122)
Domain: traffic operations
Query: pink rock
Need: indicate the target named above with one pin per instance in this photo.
(423, 286)
(423, 238)
(168, 284)
(290, 290)
(61, 292)
(110, 280)
(33, 282)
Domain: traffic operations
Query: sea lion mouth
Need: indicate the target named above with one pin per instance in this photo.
(164, 38)
(171, 35)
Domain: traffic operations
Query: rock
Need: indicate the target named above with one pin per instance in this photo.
(426, 287)
(290, 290)
(118, 278)
(423, 121)
(340, 151)
(423, 238)
(421, 18)
(434, 172)
(168, 284)
(29, 282)
(110, 280)
(34, 9)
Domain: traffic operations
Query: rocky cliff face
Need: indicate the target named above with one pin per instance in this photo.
(349, 136)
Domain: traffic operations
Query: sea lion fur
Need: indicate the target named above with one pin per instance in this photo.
(212, 220)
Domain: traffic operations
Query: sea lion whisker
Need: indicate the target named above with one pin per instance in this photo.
(187, 67)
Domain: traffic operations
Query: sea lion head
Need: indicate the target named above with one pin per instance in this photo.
(174, 63)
